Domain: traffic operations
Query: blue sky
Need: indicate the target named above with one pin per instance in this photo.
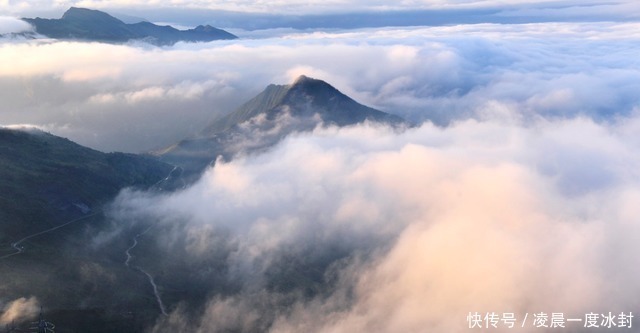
(187, 11)
(297, 6)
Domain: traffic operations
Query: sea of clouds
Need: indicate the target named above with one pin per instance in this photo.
(137, 97)
(431, 224)
(517, 193)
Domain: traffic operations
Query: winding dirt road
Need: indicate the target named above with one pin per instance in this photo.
(19, 249)
(127, 263)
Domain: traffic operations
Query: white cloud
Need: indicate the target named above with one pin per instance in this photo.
(182, 90)
(13, 25)
(438, 73)
(526, 202)
(484, 216)
(19, 309)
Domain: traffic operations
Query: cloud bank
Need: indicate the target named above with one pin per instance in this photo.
(136, 98)
(408, 232)
(12, 25)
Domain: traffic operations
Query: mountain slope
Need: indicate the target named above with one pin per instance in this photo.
(94, 25)
(264, 120)
(52, 194)
(46, 180)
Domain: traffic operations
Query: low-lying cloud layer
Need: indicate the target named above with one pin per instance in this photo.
(419, 228)
(136, 97)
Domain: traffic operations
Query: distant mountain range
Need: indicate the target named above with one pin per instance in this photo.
(93, 25)
(264, 120)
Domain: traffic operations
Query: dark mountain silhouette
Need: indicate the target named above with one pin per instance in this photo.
(94, 25)
(46, 180)
(264, 120)
(304, 98)
(53, 194)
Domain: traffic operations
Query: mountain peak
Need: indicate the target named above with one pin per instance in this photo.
(307, 82)
(302, 79)
(320, 94)
(205, 28)
(264, 120)
(85, 14)
(78, 10)
(305, 97)
(75, 10)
